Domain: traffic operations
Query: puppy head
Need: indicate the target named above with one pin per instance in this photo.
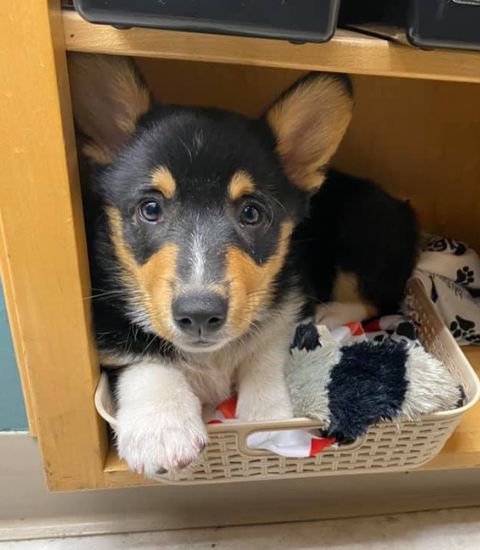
(200, 204)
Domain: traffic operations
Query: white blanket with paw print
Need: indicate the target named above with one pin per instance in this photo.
(450, 271)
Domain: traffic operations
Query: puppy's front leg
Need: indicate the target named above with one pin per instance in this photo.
(159, 419)
(262, 390)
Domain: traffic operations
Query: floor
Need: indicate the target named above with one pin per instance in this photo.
(442, 530)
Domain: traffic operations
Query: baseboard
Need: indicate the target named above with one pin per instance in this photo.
(28, 510)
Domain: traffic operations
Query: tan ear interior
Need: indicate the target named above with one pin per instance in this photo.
(309, 123)
(108, 97)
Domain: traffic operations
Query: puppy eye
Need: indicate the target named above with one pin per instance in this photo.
(150, 211)
(250, 215)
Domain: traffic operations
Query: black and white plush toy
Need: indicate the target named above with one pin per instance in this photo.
(350, 387)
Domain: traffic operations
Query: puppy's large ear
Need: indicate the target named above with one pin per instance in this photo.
(309, 121)
(108, 97)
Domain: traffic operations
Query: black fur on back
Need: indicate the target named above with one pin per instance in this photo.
(356, 227)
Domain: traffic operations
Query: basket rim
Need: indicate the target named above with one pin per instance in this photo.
(102, 391)
(298, 422)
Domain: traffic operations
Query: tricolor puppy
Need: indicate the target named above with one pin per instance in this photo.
(198, 274)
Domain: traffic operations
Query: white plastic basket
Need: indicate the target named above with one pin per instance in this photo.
(399, 445)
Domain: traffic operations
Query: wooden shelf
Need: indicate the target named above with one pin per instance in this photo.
(348, 51)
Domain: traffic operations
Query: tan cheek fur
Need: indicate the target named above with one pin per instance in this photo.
(157, 277)
(251, 284)
(151, 283)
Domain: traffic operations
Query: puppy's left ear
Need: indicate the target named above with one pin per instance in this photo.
(309, 121)
(108, 97)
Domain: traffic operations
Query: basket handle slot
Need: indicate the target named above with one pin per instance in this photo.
(244, 434)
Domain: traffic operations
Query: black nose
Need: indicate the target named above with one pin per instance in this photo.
(199, 313)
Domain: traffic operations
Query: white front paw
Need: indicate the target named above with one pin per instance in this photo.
(153, 438)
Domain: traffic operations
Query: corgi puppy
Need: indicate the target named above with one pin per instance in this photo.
(210, 235)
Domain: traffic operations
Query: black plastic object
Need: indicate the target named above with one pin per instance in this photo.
(295, 20)
(428, 23)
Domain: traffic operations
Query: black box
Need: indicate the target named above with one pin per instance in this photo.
(295, 20)
(427, 23)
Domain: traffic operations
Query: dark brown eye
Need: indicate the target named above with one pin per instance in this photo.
(150, 211)
(250, 214)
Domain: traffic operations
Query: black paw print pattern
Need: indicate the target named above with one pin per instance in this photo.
(465, 276)
(464, 329)
(405, 331)
(458, 248)
(436, 245)
(441, 244)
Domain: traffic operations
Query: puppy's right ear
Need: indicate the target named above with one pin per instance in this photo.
(309, 122)
(108, 97)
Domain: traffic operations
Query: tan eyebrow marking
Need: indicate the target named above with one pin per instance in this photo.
(240, 184)
(163, 180)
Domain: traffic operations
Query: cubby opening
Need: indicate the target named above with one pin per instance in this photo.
(416, 130)
(417, 138)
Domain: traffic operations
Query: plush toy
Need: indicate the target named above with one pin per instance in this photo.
(349, 387)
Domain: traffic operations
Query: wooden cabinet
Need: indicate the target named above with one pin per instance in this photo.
(416, 129)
